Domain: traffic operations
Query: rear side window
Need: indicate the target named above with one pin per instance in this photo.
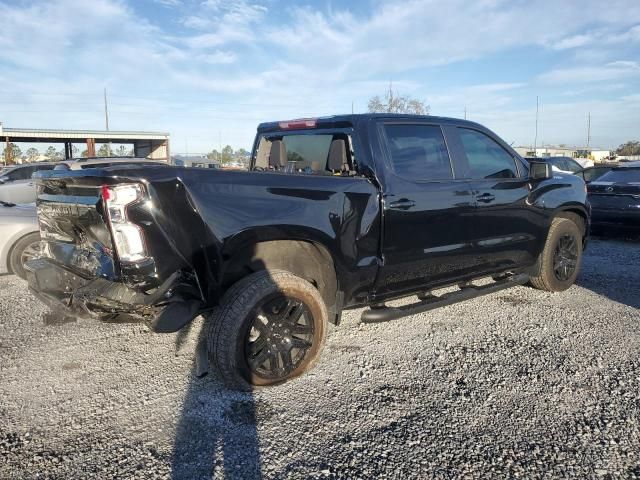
(418, 152)
(487, 159)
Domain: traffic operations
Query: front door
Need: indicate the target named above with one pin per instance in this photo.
(426, 236)
(506, 229)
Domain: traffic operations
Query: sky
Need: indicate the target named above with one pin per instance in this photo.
(209, 71)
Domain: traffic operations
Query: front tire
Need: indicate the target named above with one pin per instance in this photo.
(23, 250)
(559, 263)
(270, 328)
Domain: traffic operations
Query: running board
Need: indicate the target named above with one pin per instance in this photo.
(384, 314)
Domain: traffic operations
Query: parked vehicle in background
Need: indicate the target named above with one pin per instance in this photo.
(559, 164)
(16, 185)
(336, 213)
(615, 197)
(583, 162)
(19, 237)
(95, 162)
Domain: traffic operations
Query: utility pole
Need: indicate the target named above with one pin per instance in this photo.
(106, 111)
(535, 141)
(588, 129)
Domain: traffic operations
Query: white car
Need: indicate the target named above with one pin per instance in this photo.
(19, 237)
(16, 185)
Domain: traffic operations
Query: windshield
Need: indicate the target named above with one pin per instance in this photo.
(622, 175)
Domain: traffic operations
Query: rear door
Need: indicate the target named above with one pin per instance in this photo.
(426, 238)
(506, 230)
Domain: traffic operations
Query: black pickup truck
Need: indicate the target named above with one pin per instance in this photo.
(335, 213)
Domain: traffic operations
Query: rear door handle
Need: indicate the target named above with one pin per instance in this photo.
(403, 204)
(485, 198)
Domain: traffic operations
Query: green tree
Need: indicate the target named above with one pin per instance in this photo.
(227, 154)
(32, 154)
(395, 103)
(104, 150)
(629, 148)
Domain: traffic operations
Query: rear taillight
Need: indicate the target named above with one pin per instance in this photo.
(127, 236)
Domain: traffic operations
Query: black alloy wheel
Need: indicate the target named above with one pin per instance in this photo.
(270, 328)
(565, 257)
(279, 337)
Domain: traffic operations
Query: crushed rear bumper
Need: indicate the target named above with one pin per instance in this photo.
(163, 310)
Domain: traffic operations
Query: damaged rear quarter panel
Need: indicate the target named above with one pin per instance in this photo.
(240, 209)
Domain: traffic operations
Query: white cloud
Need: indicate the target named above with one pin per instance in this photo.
(621, 69)
(169, 3)
(573, 42)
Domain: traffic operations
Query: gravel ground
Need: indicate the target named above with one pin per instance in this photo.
(516, 384)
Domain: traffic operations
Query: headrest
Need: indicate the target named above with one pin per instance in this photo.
(337, 154)
(277, 154)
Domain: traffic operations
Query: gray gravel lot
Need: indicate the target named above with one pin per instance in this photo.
(517, 384)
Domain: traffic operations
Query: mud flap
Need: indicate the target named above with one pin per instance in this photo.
(175, 316)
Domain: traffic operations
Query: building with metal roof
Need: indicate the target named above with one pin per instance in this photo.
(153, 145)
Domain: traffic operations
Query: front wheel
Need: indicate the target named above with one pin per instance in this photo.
(270, 328)
(559, 263)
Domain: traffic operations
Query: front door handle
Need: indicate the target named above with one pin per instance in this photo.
(485, 198)
(402, 204)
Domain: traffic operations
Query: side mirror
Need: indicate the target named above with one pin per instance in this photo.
(540, 171)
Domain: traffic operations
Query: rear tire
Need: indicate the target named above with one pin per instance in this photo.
(270, 328)
(24, 249)
(559, 263)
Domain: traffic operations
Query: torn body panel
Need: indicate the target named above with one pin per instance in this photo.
(194, 226)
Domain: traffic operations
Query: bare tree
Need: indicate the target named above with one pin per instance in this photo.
(395, 103)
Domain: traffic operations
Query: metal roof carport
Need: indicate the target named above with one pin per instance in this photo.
(153, 145)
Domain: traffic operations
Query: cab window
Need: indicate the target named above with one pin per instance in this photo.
(418, 152)
(486, 157)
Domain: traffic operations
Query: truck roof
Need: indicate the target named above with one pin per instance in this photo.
(348, 120)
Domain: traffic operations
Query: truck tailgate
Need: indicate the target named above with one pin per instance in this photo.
(100, 243)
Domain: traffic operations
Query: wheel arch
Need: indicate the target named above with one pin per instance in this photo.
(308, 259)
(572, 211)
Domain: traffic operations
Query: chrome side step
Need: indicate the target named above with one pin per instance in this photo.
(384, 314)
